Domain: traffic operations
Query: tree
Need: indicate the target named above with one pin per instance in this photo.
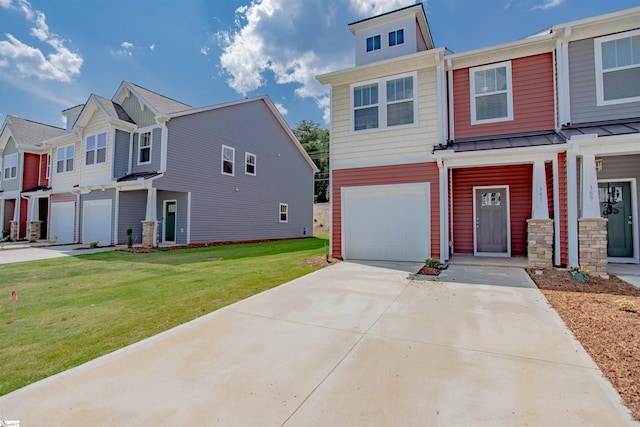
(315, 141)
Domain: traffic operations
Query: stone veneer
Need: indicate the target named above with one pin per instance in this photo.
(147, 234)
(34, 230)
(13, 231)
(540, 243)
(592, 244)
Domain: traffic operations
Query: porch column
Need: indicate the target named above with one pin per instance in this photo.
(539, 201)
(444, 211)
(592, 228)
(572, 207)
(590, 199)
(33, 224)
(539, 227)
(150, 222)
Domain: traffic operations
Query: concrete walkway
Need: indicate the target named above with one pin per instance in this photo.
(25, 252)
(350, 345)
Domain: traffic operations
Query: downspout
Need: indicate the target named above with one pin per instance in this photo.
(572, 206)
(443, 209)
(556, 210)
(164, 138)
(450, 98)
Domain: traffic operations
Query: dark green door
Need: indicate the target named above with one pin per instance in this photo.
(615, 203)
(170, 222)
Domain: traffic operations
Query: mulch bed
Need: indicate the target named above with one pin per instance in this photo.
(141, 250)
(321, 261)
(610, 334)
(429, 271)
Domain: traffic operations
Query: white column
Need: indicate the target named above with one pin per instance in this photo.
(572, 208)
(590, 199)
(151, 214)
(33, 209)
(539, 202)
(443, 212)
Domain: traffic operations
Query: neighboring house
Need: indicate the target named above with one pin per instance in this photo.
(177, 174)
(499, 141)
(599, 110)
(24, 177)
(387, 114)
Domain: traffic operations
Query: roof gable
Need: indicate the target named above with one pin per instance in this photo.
(160, 105)
(27, 134)
(112, 111)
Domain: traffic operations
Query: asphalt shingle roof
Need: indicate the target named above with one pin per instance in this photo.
(159, 102)
(30, 134)
(114, 110)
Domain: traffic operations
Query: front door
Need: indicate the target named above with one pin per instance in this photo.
(615, 203)
(170, 221)
(43, 216)
(491, 221)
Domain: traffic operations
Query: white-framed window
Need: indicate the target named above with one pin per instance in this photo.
(396, 37)
(250, 164)
(384, 103)
(64, 158)
(491, 93)
(10, 167)
(48, 176)
(228, 160)
(144, 147)
(96, 149)
(373, 43)
(284, 212)
(617, 60)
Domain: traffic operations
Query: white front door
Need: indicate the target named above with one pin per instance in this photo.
(96, 222)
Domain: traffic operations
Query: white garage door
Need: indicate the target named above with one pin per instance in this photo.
(386, 222)
(62, 221)
(96, 222)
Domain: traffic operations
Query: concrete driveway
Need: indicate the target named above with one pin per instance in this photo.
(350, 345)
(21, 252)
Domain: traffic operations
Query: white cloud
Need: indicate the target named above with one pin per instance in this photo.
(60, 65)
(291, 42)
(152, 47)
(283, 110)
(204, 51)
(126, 45)
(127, 49)
(548, 4)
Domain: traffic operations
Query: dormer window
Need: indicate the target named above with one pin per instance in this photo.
(373, 43)
(396, 38)
(11, 166)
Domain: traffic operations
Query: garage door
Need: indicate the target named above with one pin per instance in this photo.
(386, 222)
(62, 220)
(96, 222)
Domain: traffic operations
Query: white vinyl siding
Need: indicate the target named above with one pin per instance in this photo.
(617, 61)
(491, 93)
(384, 103)
(398, 144)
(10, 166)
(228, 160)
(96, 149)
(100, 172)
(64, 158)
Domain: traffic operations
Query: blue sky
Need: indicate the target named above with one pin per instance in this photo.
(54, 54)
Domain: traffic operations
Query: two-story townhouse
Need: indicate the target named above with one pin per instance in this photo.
(386, 116)
(24, 177)
(599, 113)
(504, 156)
(177, 174)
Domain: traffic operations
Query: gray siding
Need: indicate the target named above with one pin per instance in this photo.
(10, 184)
(97, 195)
(156, 149)
(239, 207)
(121, 155)
(182, 209)
(133, 209)
(583, 88)
(143, 117)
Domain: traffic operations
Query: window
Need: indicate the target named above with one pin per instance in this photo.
(65, 158)
(144, 147)
(395, 95)
(96, 149)
(10, 166)
(396, 37)
(48, 166)
(618, 68)
(284, 212)
(228, 158)
(491, 99)
(491, 199)
(373, 43)
(400, 101)
(249, 164)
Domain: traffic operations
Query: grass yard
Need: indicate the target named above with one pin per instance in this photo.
(74, 309)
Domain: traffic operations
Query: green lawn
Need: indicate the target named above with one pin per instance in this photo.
(71, 310)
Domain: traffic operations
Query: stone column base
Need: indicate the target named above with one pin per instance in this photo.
(148, 239)
(540, 243)
(592, 244)
(13, 231)
(34, 230)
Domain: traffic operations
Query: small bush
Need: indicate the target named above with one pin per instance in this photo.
(129, 237)
(53, 238)
(32, 240)
(93, 244)
(433, 263)
(626, 304)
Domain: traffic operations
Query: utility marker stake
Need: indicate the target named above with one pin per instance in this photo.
(14, 297)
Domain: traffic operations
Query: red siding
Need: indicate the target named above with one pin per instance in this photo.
(519, 180)
(30, 171)
(385, 175)
(44, 159)
(533, 101)
(564, 220)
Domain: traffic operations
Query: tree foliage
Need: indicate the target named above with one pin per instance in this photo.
(315, 141)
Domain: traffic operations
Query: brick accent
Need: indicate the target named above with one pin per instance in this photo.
(540, 243)
(592, 244)
(34, 230)
(13, 231)
(147, 234)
